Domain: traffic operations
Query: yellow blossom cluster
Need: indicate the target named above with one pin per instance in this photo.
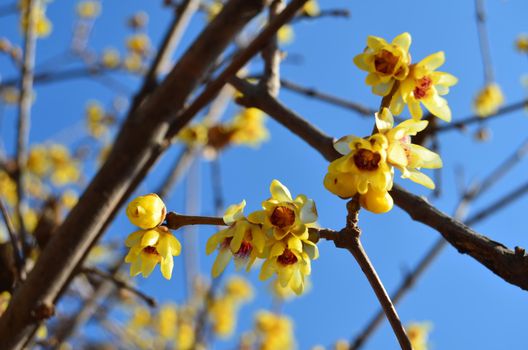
(224, 309)
(97, 120)
(278, 233)
(274, 331)
(488, 100)
(245, 128)
(41, 23)
(367, 165)
(153, 244)
(522, 43)
(389, 67)
(172, 326)
(53, 161)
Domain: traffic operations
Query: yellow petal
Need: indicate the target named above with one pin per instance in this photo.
(279, 191)
(375, 42)
(433, 61)
(150, 238)
(167, 264)
(438, 107)
(234, 212)
(403, 40)
(421, 178)
(148, 263)
(221, 261)
(384, 120)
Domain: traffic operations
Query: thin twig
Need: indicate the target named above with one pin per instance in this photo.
(334, 100)
(349, 238)
(272, 55)
(484, 43)
(333, 13)
(19, 261)
(119, 283)
(24, 114)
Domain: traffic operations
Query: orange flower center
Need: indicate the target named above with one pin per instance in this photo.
(282, 217)
(423, 85)
(151, 250)
(287, 258)
(366, 160)
(385, 62)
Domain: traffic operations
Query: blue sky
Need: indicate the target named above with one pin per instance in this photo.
(469, 306)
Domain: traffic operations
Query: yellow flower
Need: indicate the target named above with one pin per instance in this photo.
(146, 211)
(248, 127)
(385, 62)
(88, 9)
(42, 24)
(290, 258)
(185, 336)
(238, 288)
(95, 119)
(167, 320)
(69, 198)
(418, 334)
(138, 43)
(140, 319)
(274, 331)
(522, 43)
(64, 169)
(10, 95)
(285, 34)
(214, 9)
(223, 316)
(282, 215)
(341, 344)
(425, 85)
(242, 240)
(311, 8)
(488, 100)
(193, 135)
(5, 298)
(37, 161)
(110, 58)
(364, 163)
(149, 248)
(8, 188)
(376, 200)
(404, 155)
(133, 63)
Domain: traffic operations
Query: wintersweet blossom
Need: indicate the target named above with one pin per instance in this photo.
(385, 62)
(403, 154)
(274, 331)
(146, 211)
(424, 85)
(289, 251)
(88, 9)
(149, 248)
(242, 240)
(488, 100)
(418, 334)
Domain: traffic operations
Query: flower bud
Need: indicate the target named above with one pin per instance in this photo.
(146, 211)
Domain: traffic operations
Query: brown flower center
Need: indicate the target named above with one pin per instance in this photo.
(366, 160)
(282, 217)
(287, 258)
(151, 250)
(385, 62)
(422, 87)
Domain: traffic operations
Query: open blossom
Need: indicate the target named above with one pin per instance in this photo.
(274, 331)
(289, 251)
(149, 248)
(424, 85)
(242, 240)
(404, 155)
(88, 9)
(363, 164)
(282, 215)
(146, 211)
(385, 62)
(248, 127)
(488, 100)
(110, 58)
(362, 170)
(138, 43)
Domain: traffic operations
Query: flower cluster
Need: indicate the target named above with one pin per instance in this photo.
(53, 161)
(274, 331)
(278, 233)
(153, 244)
(389, 67)
(246, 128)
(41, 22)
(367, 165)
(97, 120)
